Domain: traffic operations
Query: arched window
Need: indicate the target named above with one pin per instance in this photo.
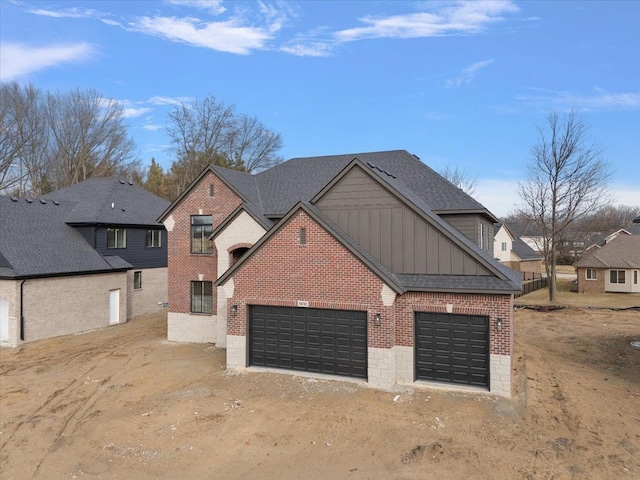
(236, 255)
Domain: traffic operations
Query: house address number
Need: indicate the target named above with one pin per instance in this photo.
(303, 303)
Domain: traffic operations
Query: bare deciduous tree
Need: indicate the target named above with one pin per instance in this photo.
(209, 132)
(50, 141)
(460, 178)
(566, 179)
(23, 139)
(253, 146)
(89, 137)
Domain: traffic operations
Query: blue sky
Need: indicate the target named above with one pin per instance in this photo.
(462, 84)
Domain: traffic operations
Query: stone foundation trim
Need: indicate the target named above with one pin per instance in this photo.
(405, 371)
(381, 371)
(185, 327)
(500, 375)
(236, 352)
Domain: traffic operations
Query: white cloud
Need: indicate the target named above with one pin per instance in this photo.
(598, 100)
(459, 18)
(160, 100)
(212, 6)
(227, 36)
(499, 196)
(133, 112)
(151, 127)
(316, 49)
(468, 74)
(64, 13)
(626, 195)
(442, 18)
(19, 59)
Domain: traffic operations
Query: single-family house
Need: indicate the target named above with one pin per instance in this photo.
(81, 258)
(370, 266)
(612, 267)
(514, 253)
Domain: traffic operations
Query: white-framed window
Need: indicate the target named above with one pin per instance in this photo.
(591, 274)
(137, 280)
(201, 297)
(617, 276)
(504, 246)
(482, 234)
(154, 238)
(116, 238)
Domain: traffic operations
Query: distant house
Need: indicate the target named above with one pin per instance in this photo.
(515, 253)
(612, 267)
(529, 234)
(368, 265)
(78, 259)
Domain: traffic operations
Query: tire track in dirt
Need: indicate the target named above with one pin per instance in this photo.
(71, 399)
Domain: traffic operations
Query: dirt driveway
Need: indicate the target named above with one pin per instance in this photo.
(125, 403)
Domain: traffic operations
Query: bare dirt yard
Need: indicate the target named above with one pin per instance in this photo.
(125, 403)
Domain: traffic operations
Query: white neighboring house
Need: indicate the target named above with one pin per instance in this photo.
(514, 253)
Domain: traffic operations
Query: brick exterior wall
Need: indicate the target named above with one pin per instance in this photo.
(327, 275)
(62, 305)
(183, 266)
(151, 296)
(590, 286)
(322, 272)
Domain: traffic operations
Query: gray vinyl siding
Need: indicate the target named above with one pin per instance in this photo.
(393, 233)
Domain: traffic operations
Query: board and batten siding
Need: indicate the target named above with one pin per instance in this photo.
(392, 232)
(469, 226)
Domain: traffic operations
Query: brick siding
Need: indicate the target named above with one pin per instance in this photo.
(590, 286)
(327, 275)
(183, 266)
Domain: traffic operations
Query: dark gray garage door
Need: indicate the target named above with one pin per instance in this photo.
(309, 339)
(452, 348)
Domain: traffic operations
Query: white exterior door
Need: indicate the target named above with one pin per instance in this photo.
(114, 307)
(4, 320)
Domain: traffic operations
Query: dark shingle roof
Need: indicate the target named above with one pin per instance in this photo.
(465, 283)
(110, 201)
(524, 251)
(300, 179)
(621, 252)
(36, 241)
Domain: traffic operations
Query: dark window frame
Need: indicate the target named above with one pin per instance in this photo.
(201, 297)
(200, 232)
(616, 275)
(591, 274)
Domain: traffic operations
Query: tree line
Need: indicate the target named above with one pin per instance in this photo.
(53, 140)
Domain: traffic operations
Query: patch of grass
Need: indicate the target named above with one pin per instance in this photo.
(567, 296)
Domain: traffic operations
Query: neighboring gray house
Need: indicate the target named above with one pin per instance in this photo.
(367, 265)
(78, 259)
